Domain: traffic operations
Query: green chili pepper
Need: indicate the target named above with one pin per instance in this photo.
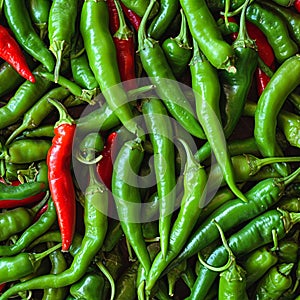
(291, 18)
(140, 7)
(26, 151)
(59, 264)
(232, 284)
(288, 251)
(21, 265)
(221, 197)
(17, 220)
(188, 276)
(113, 236)
(42, 131)
(39, 12)
(275, 282)
(42, 225)
(205, 83)
(91, 145)
(102, 118)
(26, 95)
(208, 37)
(274, 28)
(81, 71)
(178, 50)
(95, 220)
(10, 79)
(258, 232)
(125, 190)
(101, 53)
(39, 111)
(164, 17)
(61, 12)
(153, 250)
(257, 263)
(290, 204)
(174, 275)
(269, 105)
(164, 163)
(125, 285)
(235, 147)
(191, 205)
(89, 287)
(169, 91)
(236, 86)
(232, 213)
(19, 21)
(247, 167)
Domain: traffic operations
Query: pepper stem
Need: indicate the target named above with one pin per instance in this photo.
(109, 278)
(182, 37)
(34, 210)
(289, 219)
(123, 33)
(290, 178)
(142, 35)
(243, 39)
(64, 117)
(231, 257)
(38, 256)
(57, 48)
(257, 163)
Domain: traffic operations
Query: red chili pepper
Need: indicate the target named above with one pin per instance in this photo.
(105, 165)
(297, 5)
(12, 53)
(133, 18)
(114, 22)
(264, 49)
(59, 174)
(11, 203)
(262, 79)
(125, 46)
(40, 212)
(2, 286)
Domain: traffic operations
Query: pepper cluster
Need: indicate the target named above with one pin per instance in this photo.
(183, 117)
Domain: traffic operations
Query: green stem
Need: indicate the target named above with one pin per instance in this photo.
(243, 39)
(231, 257)
(38, 256)
(265, 68)
(123, 33)
(109, 278)
(182, 37)
(142, 34)
(64, 117)
(257, 163)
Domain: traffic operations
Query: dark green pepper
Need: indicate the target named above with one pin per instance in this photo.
(89, 287)
(275, 282)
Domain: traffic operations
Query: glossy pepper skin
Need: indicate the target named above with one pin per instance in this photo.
(11, 52)
(89, 287)
(60, 178)
(275, 282)
(19, 21)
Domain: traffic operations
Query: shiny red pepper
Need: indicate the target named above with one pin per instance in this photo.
(297, 5)
(125, 46)
(105, 165)
(12, 53)
(265, 52)
(59, 174)
(114, 22)
(133, 18)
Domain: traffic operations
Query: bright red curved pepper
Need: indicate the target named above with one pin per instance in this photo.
(105, 165)
(60, 177)
(12, 53)
(133, 18)
(297, 5)
(125, 46)
(114, 23)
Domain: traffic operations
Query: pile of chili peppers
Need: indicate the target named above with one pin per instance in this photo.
(220, 219)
